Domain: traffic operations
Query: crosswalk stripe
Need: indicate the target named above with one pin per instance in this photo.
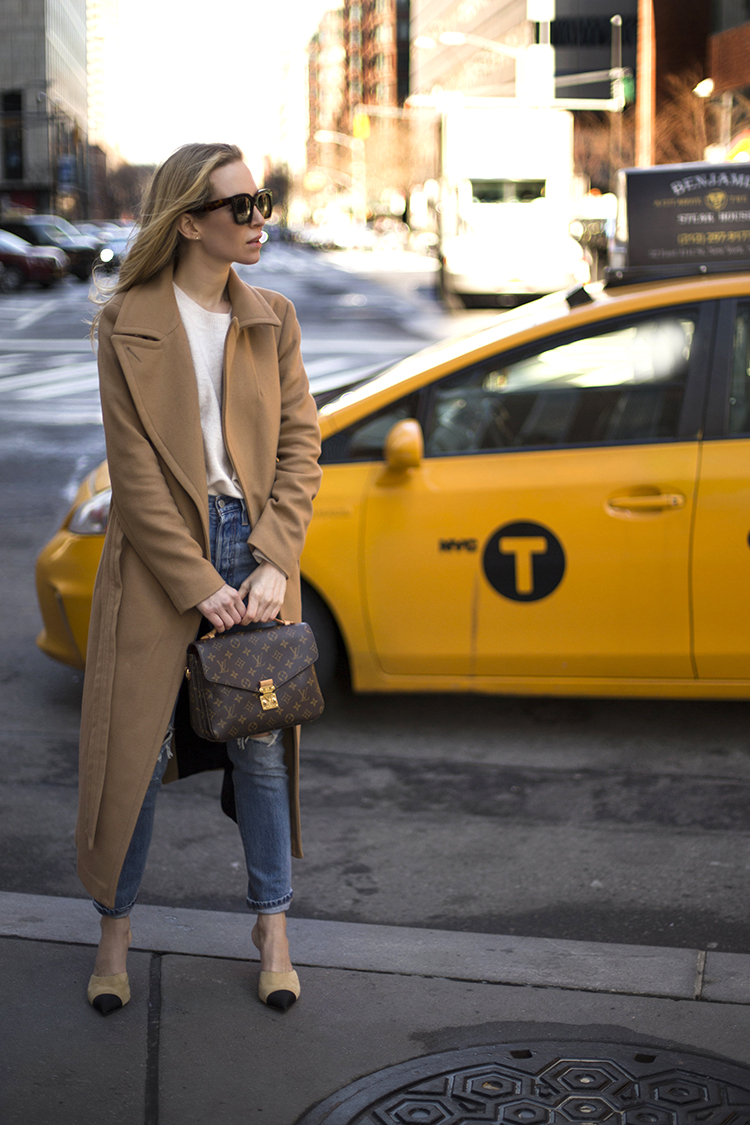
(51, 376)
(64, 344)
(310, 346)
(60, 390)
(77, 378)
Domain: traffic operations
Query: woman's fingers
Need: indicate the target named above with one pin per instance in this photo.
(265, 590)
(223, 609)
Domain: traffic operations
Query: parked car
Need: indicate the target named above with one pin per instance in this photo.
(24, 263)
(100, 229)
(51, 230)
(557, 504)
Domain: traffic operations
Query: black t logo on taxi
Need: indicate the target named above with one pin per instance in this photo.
(524, 561)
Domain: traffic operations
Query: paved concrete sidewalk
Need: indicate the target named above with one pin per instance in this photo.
(195, 1046)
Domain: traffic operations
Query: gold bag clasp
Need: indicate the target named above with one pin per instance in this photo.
(268, 698)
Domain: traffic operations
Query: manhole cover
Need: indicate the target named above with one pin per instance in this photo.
(546, 1083)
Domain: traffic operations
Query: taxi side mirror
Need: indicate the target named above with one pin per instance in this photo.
(404, 446)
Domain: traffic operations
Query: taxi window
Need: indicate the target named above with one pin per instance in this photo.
(739, 388)
(619, 386)
(364, 440)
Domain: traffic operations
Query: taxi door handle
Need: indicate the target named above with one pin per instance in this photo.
(654, 503)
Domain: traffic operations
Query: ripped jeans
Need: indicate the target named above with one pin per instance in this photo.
(261, 786)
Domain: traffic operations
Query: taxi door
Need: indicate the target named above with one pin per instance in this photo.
(547, 531)
(721, 562)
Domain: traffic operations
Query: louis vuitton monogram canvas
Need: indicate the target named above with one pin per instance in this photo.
(253, 681)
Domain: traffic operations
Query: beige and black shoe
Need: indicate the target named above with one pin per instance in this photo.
(278, 990)
(109, 994)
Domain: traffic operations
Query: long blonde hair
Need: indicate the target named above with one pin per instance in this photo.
(182, 183)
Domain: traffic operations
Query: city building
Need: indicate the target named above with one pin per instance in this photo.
(102, 26)
(729, 71)
(581, 33)
(377, 46)
(729, 45)
(470, 68)
(43, 101)
(326, 83)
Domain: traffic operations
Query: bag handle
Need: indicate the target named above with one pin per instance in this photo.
(252, 625)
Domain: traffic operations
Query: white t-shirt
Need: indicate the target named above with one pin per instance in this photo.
(207, 333)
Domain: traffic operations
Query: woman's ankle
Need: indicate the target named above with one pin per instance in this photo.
(269, 938)
(112, 952)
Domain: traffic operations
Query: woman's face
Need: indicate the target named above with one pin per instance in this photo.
(221, 237)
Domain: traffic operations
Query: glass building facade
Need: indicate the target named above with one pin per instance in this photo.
(43, 95)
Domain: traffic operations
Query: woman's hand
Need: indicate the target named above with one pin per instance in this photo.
(265, 590)
(223, 609)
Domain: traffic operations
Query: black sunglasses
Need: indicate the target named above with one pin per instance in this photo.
(244, 205)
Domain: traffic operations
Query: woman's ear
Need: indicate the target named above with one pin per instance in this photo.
(188, 227)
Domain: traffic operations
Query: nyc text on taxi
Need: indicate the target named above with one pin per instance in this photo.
(559, 504)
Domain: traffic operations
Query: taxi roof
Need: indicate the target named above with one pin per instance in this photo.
(520, 326)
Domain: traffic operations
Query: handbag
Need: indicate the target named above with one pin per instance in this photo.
(253, 680)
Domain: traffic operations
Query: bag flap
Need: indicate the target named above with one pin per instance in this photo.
(241, 660)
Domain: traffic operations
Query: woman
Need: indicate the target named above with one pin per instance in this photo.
(212, 442)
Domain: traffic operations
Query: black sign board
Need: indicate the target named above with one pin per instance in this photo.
(687, 214)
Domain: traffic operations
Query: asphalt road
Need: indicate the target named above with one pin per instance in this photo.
(622, 821)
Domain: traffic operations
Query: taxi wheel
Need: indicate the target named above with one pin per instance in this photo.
(331, 665)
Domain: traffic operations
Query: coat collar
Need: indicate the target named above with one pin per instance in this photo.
(151, 310)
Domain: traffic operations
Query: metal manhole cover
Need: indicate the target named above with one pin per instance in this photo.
(546, 1083)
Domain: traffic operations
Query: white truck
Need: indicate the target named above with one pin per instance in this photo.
(507, 194)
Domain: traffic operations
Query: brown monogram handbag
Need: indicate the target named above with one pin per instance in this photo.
(253, 680)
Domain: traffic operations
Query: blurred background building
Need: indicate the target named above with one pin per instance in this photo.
(44, 101)
(350, 122)
(686, 66)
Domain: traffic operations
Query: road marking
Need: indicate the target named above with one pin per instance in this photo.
(325, 366)
(61, 389)
(338, 346)
(359, 346)
(36, 314)
(11, 363)
(64, 345)
(49, 376)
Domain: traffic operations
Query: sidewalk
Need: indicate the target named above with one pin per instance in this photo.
(196, 1047)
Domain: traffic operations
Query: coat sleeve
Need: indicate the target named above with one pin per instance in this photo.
(141, 495)
(280, 531)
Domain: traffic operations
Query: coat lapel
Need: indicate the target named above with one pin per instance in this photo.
(154, 353)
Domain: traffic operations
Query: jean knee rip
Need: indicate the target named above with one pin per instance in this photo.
(262, 754)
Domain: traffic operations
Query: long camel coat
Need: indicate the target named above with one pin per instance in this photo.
(155, 565)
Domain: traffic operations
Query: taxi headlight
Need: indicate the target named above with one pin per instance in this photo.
(91, 517)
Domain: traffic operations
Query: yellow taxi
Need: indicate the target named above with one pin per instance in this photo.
(558, 504)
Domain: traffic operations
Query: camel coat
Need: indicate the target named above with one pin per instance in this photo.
(155, 565)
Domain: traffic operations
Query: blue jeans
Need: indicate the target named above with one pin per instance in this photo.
(261, 785)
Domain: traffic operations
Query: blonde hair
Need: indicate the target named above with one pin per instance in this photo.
(182, 183)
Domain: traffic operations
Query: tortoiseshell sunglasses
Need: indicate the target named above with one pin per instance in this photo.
(244, 205)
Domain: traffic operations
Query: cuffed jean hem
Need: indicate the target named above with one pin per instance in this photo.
(274, 906)
(113, 912)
